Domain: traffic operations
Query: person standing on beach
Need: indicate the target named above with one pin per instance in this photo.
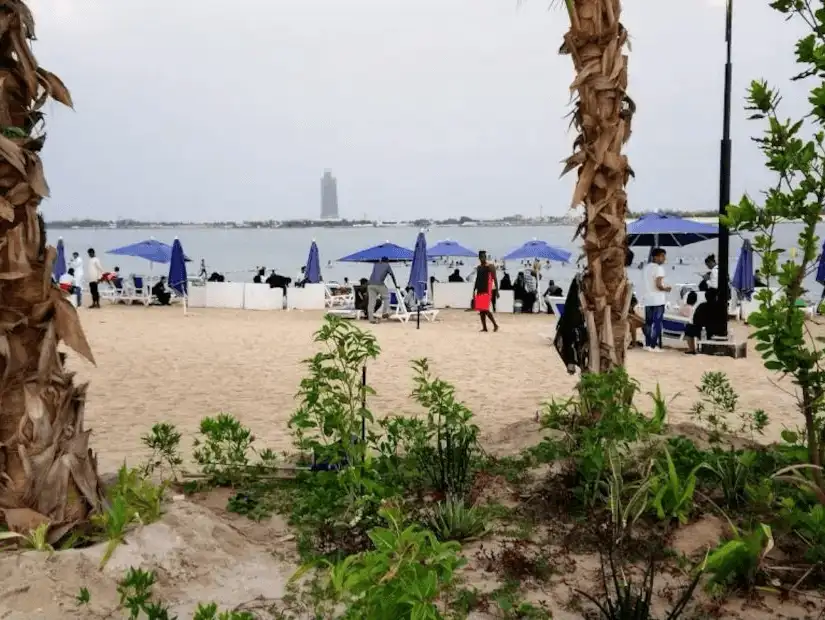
(95, 272)
(77, 264)
(377, 287)
(655, 300)
(483, 290)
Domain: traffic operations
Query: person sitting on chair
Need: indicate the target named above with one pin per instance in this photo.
(704, 317)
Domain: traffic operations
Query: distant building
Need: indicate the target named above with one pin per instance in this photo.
(329, 196)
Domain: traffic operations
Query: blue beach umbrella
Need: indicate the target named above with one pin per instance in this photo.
(152, 250)
(312, 272)
(451, 249)
(539, 249)
(668, 231)
(743, 277)
(177, 269)
(59, 267)
(820, 268)
(418, 269)
(395, 254)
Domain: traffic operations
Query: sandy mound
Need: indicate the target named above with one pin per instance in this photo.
(198, 557)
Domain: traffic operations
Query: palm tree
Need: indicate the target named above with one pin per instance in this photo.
(602, 117)
(47, 471)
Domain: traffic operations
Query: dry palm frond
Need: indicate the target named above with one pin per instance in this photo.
(602, 115)
(46, 467)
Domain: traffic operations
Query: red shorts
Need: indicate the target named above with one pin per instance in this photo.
(482, 302)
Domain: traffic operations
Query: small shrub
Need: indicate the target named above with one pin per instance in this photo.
(453, 520)
(738, 562)
(447, 448)
(164, 442)
(401, 578)
(223, 450)
(135, 590)
(808, 523)
(718, 403)
(37, 539)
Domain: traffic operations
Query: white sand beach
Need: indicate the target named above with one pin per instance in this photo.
(155, 364)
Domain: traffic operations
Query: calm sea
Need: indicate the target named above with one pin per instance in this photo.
(236, 252)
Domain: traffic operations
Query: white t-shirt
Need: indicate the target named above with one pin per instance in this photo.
(653, 295)
(95, 269)
(67, 279)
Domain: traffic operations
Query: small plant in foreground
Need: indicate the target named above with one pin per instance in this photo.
(672, 496)
(223, 450)
(452, 519)
(83, 597)
(135, 590)
(164, 442)
(37, 539)
(738, 562)
(401, 578)
(622, 600)
(718, 403)
(447, 449)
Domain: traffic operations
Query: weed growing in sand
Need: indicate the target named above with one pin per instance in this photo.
(448, 446)
(401, 578)
(671, 494)
(222, 451)
(740, 562)
(452, 519)
(164, 442)
(136, 597)
(718, 403)
(37, 539)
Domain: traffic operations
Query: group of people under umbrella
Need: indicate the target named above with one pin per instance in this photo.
(71, 277)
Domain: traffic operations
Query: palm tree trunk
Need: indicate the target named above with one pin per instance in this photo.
(602, 117)
(48, 474)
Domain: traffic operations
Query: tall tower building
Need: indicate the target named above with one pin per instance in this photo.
(329, 196)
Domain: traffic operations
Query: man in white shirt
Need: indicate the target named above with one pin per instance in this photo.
(95, 272)
(711, 278)
(77, 264)
(655, 299)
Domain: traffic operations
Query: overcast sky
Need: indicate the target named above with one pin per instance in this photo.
(208, 110)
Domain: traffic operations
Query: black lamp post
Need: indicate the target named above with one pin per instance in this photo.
(724, 175)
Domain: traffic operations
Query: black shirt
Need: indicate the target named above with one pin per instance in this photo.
(705, 316)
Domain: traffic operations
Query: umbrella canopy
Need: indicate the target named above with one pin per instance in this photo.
(450, 249)
(395, 254)
(177, 268)
(59, 267)
(418, 269)
(312, 272)
(743, 280)
(820, 268)
(668, 231)
(539, 249)
(152, 250)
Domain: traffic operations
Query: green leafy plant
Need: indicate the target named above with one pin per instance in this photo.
(622, 600)
(733, 471)
(401, 578)
(797, 194)
(135, 590)
(447, 447)
(672, 495)
(114, 522)
(222, 451)
(164, 442)
(328, 422)
(210, 611)
(739, 561)
(139, 493)
(626, 501)
(452, 519)
(83, 597)
(37, 539)
(809, 525)
(718, 403)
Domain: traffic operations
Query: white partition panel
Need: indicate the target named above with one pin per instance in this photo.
(196, 296)
(453, 295)
(262, 297)
(505, 302)
(224, 294)
(311, 297)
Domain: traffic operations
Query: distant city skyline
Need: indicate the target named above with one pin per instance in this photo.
(329, 196)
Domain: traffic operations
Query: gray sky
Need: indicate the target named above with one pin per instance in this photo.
(205, 110)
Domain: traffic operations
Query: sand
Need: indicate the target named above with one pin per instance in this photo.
(155, 364)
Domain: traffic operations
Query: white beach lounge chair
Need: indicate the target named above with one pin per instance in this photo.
(402, 314)
(337, 300)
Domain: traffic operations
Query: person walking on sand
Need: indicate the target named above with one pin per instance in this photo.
(95, 272)
(377, 287)
(655, 300)
(483, 290)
